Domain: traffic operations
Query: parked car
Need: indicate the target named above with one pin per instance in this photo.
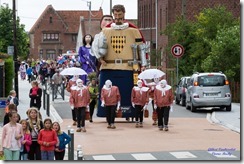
(208, 90)
(180, 91)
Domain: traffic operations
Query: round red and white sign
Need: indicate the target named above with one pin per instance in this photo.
(177, 50)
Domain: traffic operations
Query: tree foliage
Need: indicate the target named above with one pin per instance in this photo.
(212, 42)
(6, 33)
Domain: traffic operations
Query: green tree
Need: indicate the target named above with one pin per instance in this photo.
(201, 40)
(225, 53)
(6, 33)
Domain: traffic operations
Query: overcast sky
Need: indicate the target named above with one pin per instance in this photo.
(30, 10)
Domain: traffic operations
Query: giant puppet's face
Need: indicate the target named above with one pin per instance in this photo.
(118, 17)
(106, 21)
(88, 39)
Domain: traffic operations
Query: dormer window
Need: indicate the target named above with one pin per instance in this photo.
(51, 20)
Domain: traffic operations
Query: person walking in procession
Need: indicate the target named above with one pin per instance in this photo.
(110, 98)
(139, 100)
(79, 101)
(93, 90)
(72, 83)
(163, 99)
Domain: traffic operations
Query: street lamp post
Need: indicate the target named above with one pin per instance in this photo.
(15, 56)
(89, 5)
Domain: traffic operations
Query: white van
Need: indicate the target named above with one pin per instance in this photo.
(208, 90)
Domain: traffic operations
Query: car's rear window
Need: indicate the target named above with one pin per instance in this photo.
(211, 80)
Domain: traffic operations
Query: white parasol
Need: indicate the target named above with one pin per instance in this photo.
(73, 71)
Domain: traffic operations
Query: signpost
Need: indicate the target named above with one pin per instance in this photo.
(10, 50)
(177, 51)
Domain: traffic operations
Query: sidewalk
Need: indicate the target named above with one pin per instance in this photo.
(227, 119)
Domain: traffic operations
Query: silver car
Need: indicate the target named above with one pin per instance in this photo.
(180, 91)
(208, 90)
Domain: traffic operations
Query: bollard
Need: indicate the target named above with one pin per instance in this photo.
(72, 144)
(48, 104)
(44, 97)
(69, 144)
(63, 89)
(78, 149)
(80, 156)
(53, 91)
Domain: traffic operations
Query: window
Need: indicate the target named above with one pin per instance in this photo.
(214, 80)
(51, 20)
(51, 37)
(74, 37)
(51, 54)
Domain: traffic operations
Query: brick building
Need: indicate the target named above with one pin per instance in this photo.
(55, 31)
(167, 12)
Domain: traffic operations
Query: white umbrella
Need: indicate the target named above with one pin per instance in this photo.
(151, 74)
(73, 71)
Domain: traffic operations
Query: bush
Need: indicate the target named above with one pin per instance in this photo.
(9, 74)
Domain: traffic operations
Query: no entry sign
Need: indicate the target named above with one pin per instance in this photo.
(177, 50)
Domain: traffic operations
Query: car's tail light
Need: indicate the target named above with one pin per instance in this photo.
(226, 82)
(195, 83)
(227, 95)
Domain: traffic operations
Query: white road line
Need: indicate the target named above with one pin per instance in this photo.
(103, 157)
(181, 155)
(144, 156)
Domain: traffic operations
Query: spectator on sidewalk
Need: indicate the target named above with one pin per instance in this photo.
(47, 138)
(29, 73)
(26, 141)
(35, 95)
(22, 70)
(12, 99)
(36, 125)
(63, 140)
(11, 138)
(57, 80)
(72, 83)
(93, 90)
(11, 109)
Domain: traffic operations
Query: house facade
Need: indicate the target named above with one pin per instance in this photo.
(55, 32)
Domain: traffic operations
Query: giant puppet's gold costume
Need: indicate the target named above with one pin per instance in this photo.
(120, 53)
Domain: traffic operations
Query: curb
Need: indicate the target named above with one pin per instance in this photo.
(216, 121)
(54, 114)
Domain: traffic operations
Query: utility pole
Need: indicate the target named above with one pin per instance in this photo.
(183, 8)
(156, 17)
(89, 5)
(110, 7)
(15, 56)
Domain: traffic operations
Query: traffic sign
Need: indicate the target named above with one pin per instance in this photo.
(177, 50)
(10, 50)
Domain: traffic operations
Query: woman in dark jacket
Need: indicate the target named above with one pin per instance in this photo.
(35, 95)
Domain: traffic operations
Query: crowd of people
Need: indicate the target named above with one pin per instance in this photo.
(32, 138)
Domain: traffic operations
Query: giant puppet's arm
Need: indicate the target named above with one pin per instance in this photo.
(100, 47)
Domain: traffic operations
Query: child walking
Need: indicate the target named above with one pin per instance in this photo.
(11, 138)
(63, 139)
(47, 138)
(26, 142)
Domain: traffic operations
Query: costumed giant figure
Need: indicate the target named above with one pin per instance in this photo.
(120, 49)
